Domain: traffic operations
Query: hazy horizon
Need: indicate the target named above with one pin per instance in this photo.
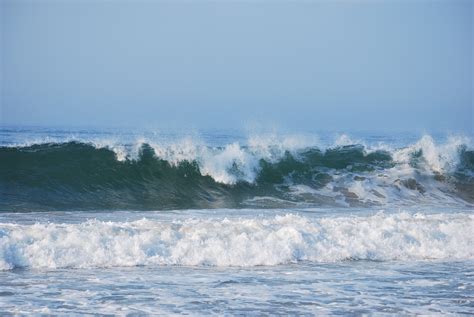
(303, 65)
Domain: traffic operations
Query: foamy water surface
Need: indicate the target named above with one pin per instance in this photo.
(101, 222)
(238, 262)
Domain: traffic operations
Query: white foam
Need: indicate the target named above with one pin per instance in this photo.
(233, 162)
(227, 165)
(236, 162)
(345, 140)
(386, 186)
(437, 157)
(272, 147)
(221, 163)
(237, 242)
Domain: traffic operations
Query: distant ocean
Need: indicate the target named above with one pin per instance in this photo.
(223, 222)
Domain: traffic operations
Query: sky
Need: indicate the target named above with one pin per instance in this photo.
(300, 65)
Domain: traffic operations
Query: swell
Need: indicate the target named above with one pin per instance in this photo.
(83, 176)
(79, 176)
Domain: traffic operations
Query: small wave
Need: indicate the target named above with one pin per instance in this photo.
(189, 174)
(237, 242)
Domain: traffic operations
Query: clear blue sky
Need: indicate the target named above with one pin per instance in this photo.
(339, 65)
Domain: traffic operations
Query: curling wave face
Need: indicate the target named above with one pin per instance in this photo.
(237, 242)
(79, 175)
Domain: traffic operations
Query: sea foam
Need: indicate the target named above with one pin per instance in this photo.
(237, 242)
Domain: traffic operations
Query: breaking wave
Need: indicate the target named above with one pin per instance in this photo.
(77, 175)
(237, 242)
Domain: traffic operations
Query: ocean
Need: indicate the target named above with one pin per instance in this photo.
(225, 222)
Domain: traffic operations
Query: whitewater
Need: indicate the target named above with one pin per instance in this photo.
(224, 222)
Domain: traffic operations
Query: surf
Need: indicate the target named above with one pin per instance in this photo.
(245, 241)
(86, 175)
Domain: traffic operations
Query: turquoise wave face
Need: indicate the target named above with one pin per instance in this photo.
(83, 176)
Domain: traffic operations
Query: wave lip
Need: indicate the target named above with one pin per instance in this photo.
(237, 242)
(188, 174)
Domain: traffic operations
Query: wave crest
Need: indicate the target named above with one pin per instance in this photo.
(189, 174)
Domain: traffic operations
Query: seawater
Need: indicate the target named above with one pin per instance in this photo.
(267, 224)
